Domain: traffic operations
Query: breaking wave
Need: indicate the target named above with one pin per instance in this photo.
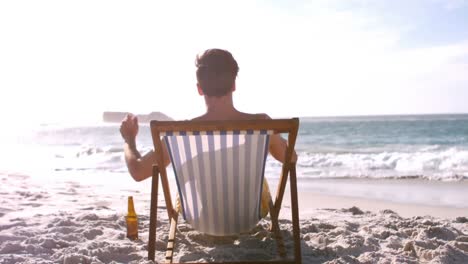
(428, 163)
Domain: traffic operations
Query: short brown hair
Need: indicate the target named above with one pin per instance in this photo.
(216, 72)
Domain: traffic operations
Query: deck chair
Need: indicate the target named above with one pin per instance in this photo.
(219, 169)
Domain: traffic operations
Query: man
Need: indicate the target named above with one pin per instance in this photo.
(216, 81)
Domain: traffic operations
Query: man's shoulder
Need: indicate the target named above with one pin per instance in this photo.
(262, 116)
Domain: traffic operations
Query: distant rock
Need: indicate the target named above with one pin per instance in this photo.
(113, 117)
(117, 117)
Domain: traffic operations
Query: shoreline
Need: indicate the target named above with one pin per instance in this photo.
(315, 201)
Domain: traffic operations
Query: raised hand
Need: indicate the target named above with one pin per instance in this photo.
(129, 128)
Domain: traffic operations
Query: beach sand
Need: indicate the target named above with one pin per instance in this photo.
(408, 198)
(73, 222)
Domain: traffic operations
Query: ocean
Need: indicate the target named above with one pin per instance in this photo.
(432, 147)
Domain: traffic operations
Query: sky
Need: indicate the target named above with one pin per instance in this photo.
(72, 60)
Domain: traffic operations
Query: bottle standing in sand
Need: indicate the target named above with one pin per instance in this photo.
(132, 220)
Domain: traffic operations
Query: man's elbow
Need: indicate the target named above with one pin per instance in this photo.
(137, 178)
(136, 174)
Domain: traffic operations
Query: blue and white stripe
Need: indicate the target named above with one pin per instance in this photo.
(219, 177)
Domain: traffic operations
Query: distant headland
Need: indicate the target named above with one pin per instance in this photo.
(117, 117)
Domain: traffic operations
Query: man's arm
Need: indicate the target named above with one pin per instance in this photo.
(278, 147)
(139, 167)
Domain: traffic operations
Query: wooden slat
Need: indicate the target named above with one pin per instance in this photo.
(292, 140)
(276, 230)
(286, 165)
(171, 241)
(295, 215)
(153, 213)
(171, 212)
(158, 148)
(281, 188)
(277, 125)
(278, 237)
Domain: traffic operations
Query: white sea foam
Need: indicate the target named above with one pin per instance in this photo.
(448, 164)
(428, 162)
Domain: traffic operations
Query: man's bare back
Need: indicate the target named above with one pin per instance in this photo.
(233, 116)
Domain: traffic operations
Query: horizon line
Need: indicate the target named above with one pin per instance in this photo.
(384, 115)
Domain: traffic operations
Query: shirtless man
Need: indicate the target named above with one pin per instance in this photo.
(216, 81)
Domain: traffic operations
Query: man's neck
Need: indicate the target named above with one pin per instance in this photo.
(220, 106)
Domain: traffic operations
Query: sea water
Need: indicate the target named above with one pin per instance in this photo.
(364, 157)
(432, 147)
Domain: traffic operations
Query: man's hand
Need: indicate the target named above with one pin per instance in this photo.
(129, 128)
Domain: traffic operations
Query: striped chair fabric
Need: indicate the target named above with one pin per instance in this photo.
(219, 176)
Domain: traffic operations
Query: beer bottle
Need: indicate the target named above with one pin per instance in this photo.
(132, 221)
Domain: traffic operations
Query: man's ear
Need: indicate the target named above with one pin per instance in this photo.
(200, 91)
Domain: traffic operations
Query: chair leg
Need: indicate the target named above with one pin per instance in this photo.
(171, 240)
(281, 188)
(274, 227)
(153, 213)
(278, 237)
(295, 215)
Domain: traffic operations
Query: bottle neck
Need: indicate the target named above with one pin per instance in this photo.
(131, 207)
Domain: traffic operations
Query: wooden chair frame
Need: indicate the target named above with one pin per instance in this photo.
(289, 126)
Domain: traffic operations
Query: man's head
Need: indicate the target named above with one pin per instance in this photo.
(216, 72)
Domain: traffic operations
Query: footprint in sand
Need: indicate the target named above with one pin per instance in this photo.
(92, 234)
(32, 204)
